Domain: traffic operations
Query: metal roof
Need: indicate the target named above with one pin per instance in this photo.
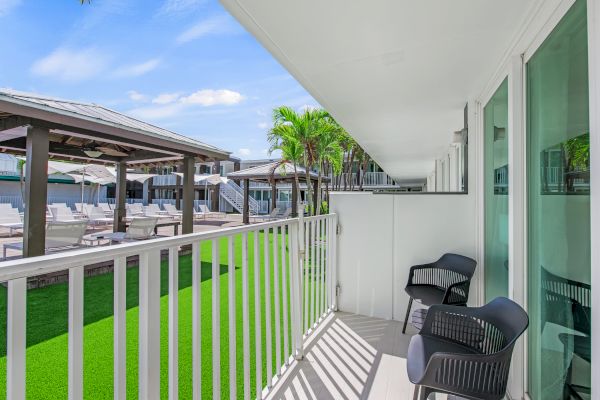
(275, 170)
(100, 115)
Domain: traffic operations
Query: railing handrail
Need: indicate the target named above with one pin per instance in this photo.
(33, 266)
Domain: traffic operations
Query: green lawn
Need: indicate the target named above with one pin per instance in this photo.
(47, 327)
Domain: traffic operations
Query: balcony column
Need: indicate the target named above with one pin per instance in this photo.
(246, 213)
(294, 199)
(187, 223)
(273, 194)
(216, 188)
(120, 195)
(36, 192)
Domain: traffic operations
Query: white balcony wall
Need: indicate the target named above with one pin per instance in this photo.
(383, 235)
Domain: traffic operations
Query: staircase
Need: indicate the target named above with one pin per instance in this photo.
(234, 195)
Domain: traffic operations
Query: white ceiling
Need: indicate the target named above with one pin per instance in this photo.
(395, 73)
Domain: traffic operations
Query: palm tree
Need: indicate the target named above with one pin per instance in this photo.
(330, 156)
(282, 138)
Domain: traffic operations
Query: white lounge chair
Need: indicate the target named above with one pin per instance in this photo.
(176, 214)
(285, 214)
(59, 236)
(153, 210)
(207, 213)
(62, 214)
(106, 209)
(10, 219)
(140, 228)
(269, 217)
(134, 209)
(96, 216)
(83, 208)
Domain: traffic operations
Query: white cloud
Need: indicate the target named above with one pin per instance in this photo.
(244, 152)
(136, 96)
(6, 6)
(210, 97)
(263, 125)
(179, 6)
(131, 71)
(166, 98)
(219, 25)
(71, 65)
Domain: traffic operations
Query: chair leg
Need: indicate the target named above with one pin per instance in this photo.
(416, 392)
(407, 315)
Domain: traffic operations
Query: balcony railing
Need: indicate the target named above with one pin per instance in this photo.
(370, 179)
(293, 278)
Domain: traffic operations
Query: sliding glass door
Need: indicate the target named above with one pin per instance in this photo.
(559, 213)
(495, 117)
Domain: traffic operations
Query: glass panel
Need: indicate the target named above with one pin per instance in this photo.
(559, 213)
(495, 116)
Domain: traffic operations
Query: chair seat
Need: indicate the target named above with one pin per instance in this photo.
(420, 350)
(427, 295)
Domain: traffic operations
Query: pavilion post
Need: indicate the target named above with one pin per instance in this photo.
(294, 200)
(187, 223)
(36, 192)
(316, 202)
(120, 195)
(177, 192)
(216, 188)
(273, 194)
(246, 213)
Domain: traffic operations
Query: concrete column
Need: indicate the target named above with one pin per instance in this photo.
(187, 223)
(36, 192)
(146, 192)
(216, 188)
(294, 199)
(273, 194)
(120, 196)
(246, 213)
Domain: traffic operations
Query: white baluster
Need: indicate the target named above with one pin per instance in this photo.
(216, 319)
(196, 321)
(246, 316)
(285, 285)
(257, 316)
(277, 304)
(232, 325)
(149, 325)
(173, 323)
(269, 352)
(76, 333)
(16, 321)
(119, 328)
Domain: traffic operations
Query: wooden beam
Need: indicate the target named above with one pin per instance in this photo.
(187, 223)
(120, 196)
(14, 121)
(36, 192)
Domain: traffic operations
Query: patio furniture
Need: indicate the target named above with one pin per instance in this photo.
(207, 213)
(172, 210)
(140, 228)
(63, 214)
(106, 208)
(134, 209)
(10, 219)
(466, 351)
(445, 281)
(96, 216)
(59, 236)
(567, 303)
(83, 208)
(286, 214)
(268, 217)
(153, 209)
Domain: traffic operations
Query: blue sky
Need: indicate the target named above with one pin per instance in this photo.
(184, 65)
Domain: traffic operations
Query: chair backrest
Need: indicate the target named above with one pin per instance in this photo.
(151, 209)
(286, 213)
(9, 215)
(61, 213)
(141, 228)
(105, 207)
(203, 208)
(62, 234)
(275, 212)
(457, 263)
(170, 208)
(79, 207)
(4, 206)
(59, 205)
(95, 213)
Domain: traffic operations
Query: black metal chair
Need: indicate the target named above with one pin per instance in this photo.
(466, 351)
(445, 281)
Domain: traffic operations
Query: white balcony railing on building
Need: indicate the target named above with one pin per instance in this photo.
(296, 270)
(370, 179)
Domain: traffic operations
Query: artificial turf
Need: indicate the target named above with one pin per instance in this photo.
(47, 326)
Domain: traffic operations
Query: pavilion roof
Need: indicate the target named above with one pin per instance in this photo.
(87, 124)
(275, 170)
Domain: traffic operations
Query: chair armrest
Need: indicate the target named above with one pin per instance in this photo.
(457, 293)
(414, 268)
